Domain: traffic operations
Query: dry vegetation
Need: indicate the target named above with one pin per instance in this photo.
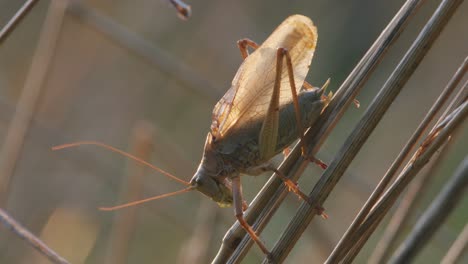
(132, 73)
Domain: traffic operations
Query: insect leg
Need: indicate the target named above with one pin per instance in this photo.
(320, 163)
(300, 128)
(243, 45)
(269, 132)
(293, 187)
(237, 198)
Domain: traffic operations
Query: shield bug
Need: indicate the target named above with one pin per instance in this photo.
(264, 111)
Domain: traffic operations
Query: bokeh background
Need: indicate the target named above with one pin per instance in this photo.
(157, 102)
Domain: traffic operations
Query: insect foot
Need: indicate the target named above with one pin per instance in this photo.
(319, 163)
(321, 211)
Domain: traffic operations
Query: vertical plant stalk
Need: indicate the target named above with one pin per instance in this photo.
(427, 149)
(435, 215)
(344, 243)
(16, 19)
(124, 223)
(410, 200)
(458, 248)
(195, 250)
(235, 243)
(362, 131)
(30, 238)
(30, 95)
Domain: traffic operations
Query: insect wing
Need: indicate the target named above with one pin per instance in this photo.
(248, 98)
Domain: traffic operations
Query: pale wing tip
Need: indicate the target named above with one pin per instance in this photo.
(304, 21)
(297, 18)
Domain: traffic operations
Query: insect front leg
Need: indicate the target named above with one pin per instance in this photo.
(237, 199)
(243, 45)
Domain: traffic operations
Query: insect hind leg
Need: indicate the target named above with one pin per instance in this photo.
(285, 53)
(297, 110)
(245, 43)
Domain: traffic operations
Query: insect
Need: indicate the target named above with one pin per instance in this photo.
(264, 111)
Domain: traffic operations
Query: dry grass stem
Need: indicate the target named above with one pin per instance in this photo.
(235, 244)
(344, 242)
(434, 216)
(31, 239)
(427, 149)
(458, 248)
(410, 200)
(30, 94)
(195, 250)
(356, 140)
(165, 62)
(404, 211)
(16, 19)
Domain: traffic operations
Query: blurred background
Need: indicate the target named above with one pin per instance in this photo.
(133, 75)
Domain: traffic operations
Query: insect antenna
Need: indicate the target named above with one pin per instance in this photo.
(121, 152)
(138, 202)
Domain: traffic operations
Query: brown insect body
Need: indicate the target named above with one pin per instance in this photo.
(239, 153)
(234, 146)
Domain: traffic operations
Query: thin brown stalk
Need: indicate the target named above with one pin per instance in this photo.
(16, 19)
(127, 39)
(363, 129)
(235, 243)
(344, 243)
(434, 216)
(458, 248)
(30, 94)
(195, 250)
(124, 222)
(359, 240)
(402, 214)
(410, 200)
(10, 223)
(429, 146)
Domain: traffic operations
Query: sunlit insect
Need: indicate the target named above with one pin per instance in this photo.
(266, 109)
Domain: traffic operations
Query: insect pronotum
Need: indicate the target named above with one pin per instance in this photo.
(266, 109)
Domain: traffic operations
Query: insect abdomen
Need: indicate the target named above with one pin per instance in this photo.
(240, 148)
(311, 106)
